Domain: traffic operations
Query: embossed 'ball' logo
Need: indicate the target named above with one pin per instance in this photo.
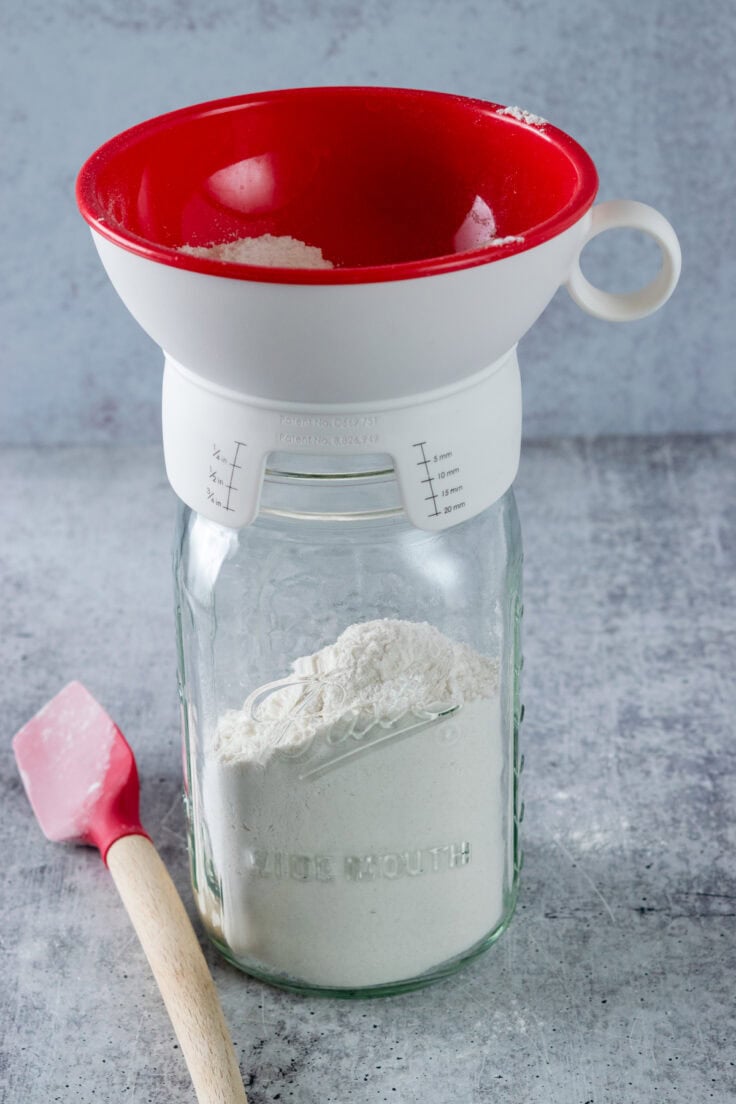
(294, 710)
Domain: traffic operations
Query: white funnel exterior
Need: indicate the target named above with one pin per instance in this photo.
(416, 369)
(344, 343)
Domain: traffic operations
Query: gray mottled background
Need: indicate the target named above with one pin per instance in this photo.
(645, 85)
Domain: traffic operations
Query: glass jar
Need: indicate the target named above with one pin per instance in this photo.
(353, 816)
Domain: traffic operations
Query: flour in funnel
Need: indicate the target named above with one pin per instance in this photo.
(270, 250)
(523, 116)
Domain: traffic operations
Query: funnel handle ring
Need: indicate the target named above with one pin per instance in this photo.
(625, 307)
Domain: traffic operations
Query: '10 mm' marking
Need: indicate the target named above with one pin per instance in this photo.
(437, 484)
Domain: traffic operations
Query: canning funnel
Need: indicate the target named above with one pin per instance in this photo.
(450, 223)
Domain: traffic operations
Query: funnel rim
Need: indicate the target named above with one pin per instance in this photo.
(94, 212)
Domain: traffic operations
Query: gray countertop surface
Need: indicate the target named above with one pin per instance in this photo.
(616, 980)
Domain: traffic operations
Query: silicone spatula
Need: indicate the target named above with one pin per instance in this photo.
(81, 779)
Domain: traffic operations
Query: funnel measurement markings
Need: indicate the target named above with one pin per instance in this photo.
(439, 478)
(220, 482)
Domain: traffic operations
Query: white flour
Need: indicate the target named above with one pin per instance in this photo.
(523, 116)
(355, 810)
(278, 251)
(285, 252)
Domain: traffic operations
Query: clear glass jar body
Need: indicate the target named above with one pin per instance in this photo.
(375, 856)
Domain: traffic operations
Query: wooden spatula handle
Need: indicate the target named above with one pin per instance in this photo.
(179, 967)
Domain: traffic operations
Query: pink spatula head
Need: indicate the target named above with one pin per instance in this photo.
(81, 779)
(79, 772)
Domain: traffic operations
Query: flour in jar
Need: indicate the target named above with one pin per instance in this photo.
(355, 811)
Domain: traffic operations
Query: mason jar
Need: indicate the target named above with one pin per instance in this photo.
(349, 687)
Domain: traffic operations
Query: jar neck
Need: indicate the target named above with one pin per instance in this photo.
(330, 488)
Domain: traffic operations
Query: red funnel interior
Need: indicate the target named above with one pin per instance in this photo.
(389, 183)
